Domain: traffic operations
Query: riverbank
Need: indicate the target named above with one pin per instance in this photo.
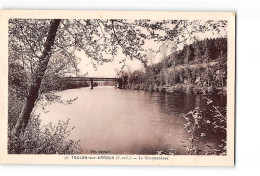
(180, 88)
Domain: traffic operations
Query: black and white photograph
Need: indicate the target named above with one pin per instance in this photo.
(129, 87)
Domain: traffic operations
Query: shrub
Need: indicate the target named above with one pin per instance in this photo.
(199, 126)
(178, 88)
(47, 139)
(196, 89)
(189, 88)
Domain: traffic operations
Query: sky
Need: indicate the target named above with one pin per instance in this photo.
(109, 69)
(106, 70)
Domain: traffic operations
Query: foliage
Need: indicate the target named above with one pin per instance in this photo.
(37, 139)
(199, 125)
(15, 103)
(101, 40)
(167, 152)
(18, 79)
(56, 83)
(48, 139)
(201, 64)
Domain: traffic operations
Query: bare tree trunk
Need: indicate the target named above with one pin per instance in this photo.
(33, 89)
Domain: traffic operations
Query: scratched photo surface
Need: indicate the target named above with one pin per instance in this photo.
(117, 86)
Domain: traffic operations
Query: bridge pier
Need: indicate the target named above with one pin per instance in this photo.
(119, 83)
(91, 83)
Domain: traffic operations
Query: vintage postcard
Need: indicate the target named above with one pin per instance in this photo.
(117, 87)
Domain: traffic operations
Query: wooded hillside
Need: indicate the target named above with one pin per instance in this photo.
(200, 66)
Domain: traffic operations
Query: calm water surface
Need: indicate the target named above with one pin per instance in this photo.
(126, 121)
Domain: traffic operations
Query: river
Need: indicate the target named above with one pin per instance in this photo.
(126, 121)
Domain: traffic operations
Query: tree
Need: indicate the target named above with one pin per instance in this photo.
(150, 56)
(34, 87)
(33, 42)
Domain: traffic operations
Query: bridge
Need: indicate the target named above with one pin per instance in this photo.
(92, 79)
